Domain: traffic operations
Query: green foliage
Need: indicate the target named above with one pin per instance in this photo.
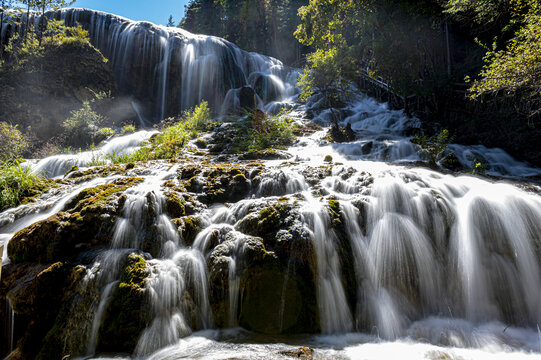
(479, 167)
(434, 149)
(127, 129)
(21, 50)
(16, 183)
(104, 133)
(325, 74)
(170, 142)
(260, 131)
(518, 66)
(13, 143)
(398, 41)
(82, 127)
(198, 119)
(264, 26)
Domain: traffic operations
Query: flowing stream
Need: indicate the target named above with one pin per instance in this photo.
(442, 265)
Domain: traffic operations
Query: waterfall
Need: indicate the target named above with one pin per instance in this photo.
(172, 69)
(392, 256)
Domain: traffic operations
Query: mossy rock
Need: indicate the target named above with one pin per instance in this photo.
(189, 227)
(36, 298)
(266, 288)
(267, 154)
(86, 223)
(127, 315)
(265, 222)
(218, 183)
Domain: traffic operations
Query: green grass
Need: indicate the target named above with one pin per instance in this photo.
(18, 183)
(170, 142)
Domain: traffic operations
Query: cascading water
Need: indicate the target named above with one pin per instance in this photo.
(58, 165)
(404, 261)
(174, 70)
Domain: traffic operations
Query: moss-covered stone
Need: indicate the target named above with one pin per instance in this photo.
(127, 315)
(86, 222)
(35, 293)
(189, 227)
(265, 222)
(267, 154)
(218, 183)
(273, 298)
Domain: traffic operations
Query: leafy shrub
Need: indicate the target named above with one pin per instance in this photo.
(198, 118)
(16, 183)
(127, 129)
(434, 149)
(170, 142)
(260, 131)
(12, 142)
(104, 134)
(83, 126)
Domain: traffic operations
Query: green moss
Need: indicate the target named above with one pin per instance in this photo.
(335, 213)
(98, 198)
(189, 227)
(271, 217)
(135, 273)
(127, 315)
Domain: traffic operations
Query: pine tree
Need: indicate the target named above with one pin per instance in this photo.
(170, 22)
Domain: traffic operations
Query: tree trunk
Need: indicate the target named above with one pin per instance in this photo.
(448, 46)
(1, 26)
(27, 21)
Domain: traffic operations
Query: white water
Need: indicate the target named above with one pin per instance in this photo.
(58, 165)
(445, 266)
(174, 68)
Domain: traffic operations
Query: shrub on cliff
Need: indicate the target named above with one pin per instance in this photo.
(12, 142)
(83, 126)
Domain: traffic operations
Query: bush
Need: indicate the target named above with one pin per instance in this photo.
(260, 131)
(83, 126)
(16, 183)
(127, 129)
(198, 118)
(12, 142)
(434, 149)
(104, 134)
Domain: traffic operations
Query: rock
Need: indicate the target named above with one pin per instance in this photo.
(86, 222)
(219, 183)
(300, 353)
(267, 154)
(247, 100)
(328, 158)
(366, 148)
(338, 135)
(189, 227)
(127, 315)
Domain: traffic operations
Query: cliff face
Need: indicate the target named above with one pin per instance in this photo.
(38, 93)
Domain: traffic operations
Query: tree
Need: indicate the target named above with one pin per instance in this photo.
(45, 5)
(264, 26)
(83, 125)
(4, 5)
(514, 68)
(170, 22)
(12, 142)
(399, 41)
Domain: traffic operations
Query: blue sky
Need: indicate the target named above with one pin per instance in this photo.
(156, 11)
